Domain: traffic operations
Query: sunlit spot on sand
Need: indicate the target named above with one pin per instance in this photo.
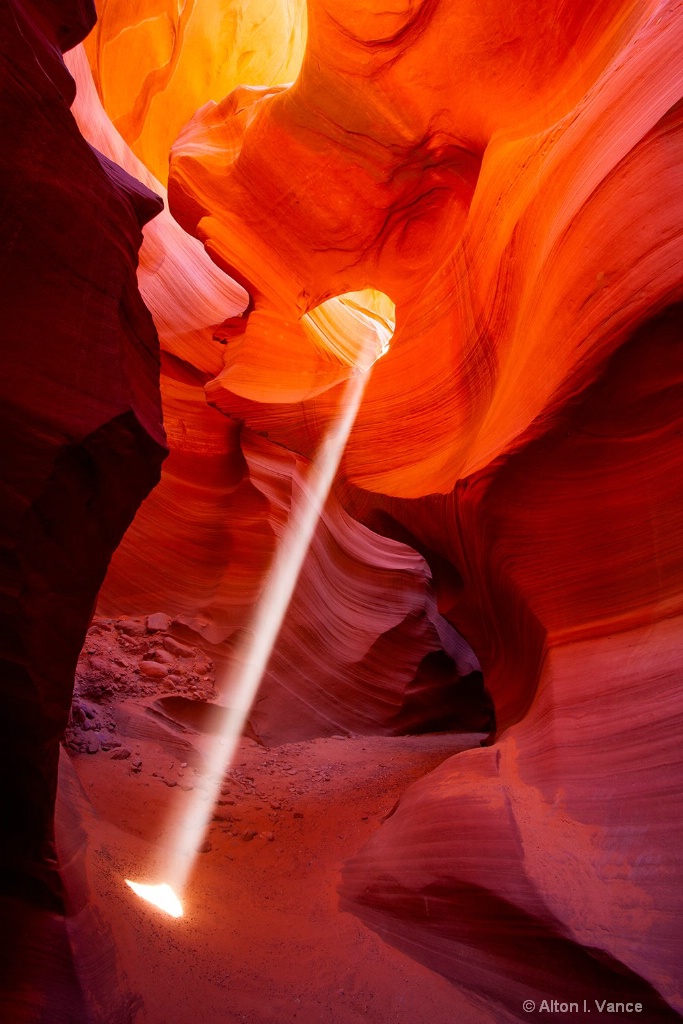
(162, 896)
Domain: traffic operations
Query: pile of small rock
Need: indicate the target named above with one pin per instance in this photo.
(131, 657)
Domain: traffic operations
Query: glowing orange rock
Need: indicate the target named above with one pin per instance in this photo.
(511, 179)
(181, 544)
(202, 544)
(504, 187)
(380, 223)
(156, 63)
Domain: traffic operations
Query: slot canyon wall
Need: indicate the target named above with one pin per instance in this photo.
(510, 500)
(82, 434)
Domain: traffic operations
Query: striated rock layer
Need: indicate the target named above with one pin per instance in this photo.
(513, 182)
(202, 544)
(154, 64)
(561, 843)
(81, 421)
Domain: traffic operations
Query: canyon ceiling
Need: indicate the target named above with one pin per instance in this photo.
(186, 195)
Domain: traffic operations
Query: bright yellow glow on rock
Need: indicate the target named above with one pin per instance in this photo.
(162, 896)
(356, 328)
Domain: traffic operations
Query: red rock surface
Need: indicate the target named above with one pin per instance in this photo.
(82, 443)
(262, 936)
(82, 436)
(203, 542)
(546, 411)
(511, 179)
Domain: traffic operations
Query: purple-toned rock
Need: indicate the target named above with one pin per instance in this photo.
(80, 415)
(158, 622)
(180, 650)
(131, 627)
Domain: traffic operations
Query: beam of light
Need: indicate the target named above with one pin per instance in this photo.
(365, 315)
(162, 896)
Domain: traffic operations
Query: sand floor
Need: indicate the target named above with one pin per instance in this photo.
(262, 939)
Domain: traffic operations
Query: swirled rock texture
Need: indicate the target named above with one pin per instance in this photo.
(513, 182)
(561, 842)
(155, 64)
(511, 177)
(202, 544)
(81, 429)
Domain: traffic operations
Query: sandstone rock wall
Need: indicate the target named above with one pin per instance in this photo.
(513, 182)
(511, 179)
(81, 431)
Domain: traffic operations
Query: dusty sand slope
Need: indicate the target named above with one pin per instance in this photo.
(262, 939)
